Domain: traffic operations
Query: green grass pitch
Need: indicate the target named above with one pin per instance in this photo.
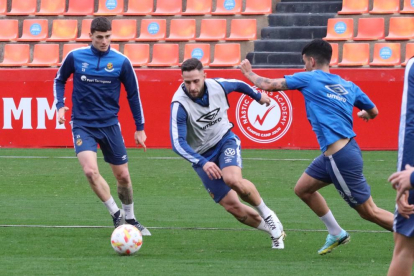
(191, 235)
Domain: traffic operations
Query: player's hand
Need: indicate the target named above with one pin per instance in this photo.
(245, 66)
(140, 138)
(61, 114)
(265, 99)
(364, 115)
(404, 208)
(401, 180)
(212, 170)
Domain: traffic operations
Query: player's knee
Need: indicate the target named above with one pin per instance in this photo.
(232, 208)
(299, 191)
(122, 177)
(91, 174)
(369, 214)
(234, 182)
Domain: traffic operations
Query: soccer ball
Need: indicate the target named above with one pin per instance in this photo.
(126, 239)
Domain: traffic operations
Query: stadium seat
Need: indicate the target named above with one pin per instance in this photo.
(80, 7)
(51, 7)
(153, 30)
(69, 47)
(243, 29)
(354, 7)
(115, 46)
(9, 30)
(85, 30)
(197, 7)
(340, 29)
(64, 30)
(228, 7)
(35, 30)
(137, 53)
(401, 28)
(371, 28)
(22, 7)
(409, 53)
(3, 7)
(385, 7)
(140, 7)
(334, 59)
(110, 7)
(227, 54)
(45, 55)
(408, 7)
(168, 7)
(164, 55)
(201, 51)
(212, 30)
(182, 30)
(355, 54)
(124, 29)
(386, 54)
(16, 55)
(258, 7)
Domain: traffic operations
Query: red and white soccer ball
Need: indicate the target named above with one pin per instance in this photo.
(126, 239)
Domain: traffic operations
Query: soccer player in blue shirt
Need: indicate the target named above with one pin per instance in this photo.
(98, 72)
(403, 182)
(201, 133)
(329, 101)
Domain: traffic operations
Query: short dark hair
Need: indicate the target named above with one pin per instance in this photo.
(191, 64)
(320, 50)
(100, 24)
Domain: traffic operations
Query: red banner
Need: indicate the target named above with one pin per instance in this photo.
(28, 114)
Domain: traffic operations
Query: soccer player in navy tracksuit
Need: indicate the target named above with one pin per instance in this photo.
(98, 72)
(329, 101)
(403, 182)
(201, 133)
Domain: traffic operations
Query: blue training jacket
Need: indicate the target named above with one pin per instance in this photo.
(97, 78)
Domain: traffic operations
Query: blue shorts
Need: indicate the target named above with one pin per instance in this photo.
(344, 169)
(109, 139)
(228, 155)
(402, 225)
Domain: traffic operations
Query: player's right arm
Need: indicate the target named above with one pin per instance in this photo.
(64, 72)
(368, 109)
(261, 82)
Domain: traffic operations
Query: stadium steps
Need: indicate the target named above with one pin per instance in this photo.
(292, 26)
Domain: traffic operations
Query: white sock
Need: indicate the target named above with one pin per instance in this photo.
(263, 210)
(129, 210)
(331, 224)
(111, 206)
(264, 227)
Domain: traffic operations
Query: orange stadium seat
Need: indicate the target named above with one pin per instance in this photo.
(401, 28)
(64, 30)
(3, 7)
(22, 7)
(124, 29)
(355, 54)
(137, 53)
(340, 29)
(80, 7)
(354, 7)
(182, 30)
(51, 7)
(226, 7)
(371, 28)
(258, 7)
(85, 30)
(45, 55)
(334, 58)
(386, 54)
(385, 7)
(140, 7)
(409, 53)
(9, 30)
(110, 7)
(212, 30)
(197, 7)
(408, 7)
(164, 55)
(16, 55)
(200, 51)
(153, 30)
(115, 46)
(35, 30)
(168, 7)
(243, 29)
(69, 47)
(227, 54)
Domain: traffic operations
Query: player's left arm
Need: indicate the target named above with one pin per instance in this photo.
(368, 109)
(262, 82)
(230, 85)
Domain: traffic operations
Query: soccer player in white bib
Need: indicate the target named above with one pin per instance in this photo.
(329, 102)
(201, 133)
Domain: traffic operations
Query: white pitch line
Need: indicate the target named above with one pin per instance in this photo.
(188, 228)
